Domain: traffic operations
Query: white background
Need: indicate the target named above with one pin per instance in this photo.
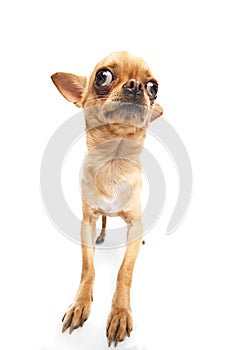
(182, 289)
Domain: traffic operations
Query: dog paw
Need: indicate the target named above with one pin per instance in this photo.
(100, 238)
(119, 325)
(76, 315)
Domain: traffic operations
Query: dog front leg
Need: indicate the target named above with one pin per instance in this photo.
(120, 322)
(79, 310)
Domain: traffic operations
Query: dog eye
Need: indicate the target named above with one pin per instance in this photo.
(152, 89)
(103, 77)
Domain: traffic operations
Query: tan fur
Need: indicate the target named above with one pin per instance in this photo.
(112, 181)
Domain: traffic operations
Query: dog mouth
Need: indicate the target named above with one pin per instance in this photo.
(126, 110)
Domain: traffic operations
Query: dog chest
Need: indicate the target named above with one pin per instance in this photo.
(109, 184)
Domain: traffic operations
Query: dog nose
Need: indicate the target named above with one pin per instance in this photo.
(133, 87)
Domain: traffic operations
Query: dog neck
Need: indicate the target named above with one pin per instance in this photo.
(108, 132)
(111, 165)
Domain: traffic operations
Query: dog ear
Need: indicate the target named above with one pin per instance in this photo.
(157, 111)
(70, 86)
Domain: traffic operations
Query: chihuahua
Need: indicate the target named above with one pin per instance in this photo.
(118, 101)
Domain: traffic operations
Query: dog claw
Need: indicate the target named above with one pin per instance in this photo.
(73, 327)
(129, 330)
(67, 324)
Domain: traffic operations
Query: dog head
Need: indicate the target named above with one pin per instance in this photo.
(121, 89)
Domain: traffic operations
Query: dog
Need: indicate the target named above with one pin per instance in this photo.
(118, 101)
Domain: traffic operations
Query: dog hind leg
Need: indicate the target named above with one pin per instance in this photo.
(101, 237)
